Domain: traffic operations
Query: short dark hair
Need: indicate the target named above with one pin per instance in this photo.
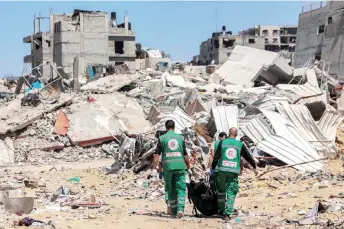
(169, 124)
(222, 134)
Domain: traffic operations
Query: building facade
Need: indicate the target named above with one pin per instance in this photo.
(271, 38)
(80, 39)
(216, 49)
(320, 35)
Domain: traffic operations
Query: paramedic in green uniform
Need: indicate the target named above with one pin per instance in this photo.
(227, 164)
(175, 162)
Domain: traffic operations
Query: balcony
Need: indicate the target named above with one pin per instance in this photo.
(28, 59)
(115, 31)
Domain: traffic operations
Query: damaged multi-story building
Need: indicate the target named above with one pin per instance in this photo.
(218, 48)
(215, 49)
(320, 36)
(76, 40)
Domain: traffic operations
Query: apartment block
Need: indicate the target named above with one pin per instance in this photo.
(218, 48)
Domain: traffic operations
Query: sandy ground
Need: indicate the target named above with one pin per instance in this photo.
(266, 201)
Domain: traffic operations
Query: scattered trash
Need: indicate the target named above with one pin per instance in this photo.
(301, 212)
(136, 211)
(238, 220)
(74, 179)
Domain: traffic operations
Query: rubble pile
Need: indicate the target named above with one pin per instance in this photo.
(274, 106)
(285, 116)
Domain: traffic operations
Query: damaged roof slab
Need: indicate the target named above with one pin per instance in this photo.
(243, 66)
(127, 109)
(16, 117)
(91, 125)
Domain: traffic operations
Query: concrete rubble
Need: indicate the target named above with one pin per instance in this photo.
(250, 93)
(119, 116)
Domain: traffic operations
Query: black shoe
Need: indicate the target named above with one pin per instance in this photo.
(226, 218)
(220, 214)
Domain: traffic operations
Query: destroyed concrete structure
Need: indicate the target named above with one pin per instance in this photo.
(152, 58)
(217, 49)
(319, 36)
(286, 117)
(83, 154)
(78, 40)
(117, 114)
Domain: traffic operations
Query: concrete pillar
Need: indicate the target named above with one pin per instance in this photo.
(220, 43)
(126, 24)
(52, 33)
(76, 73)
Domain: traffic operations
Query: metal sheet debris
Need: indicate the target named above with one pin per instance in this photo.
(329, 122)
(286, 143)
(181, 119)
(301, 94)
(301, 118)
(225, 117)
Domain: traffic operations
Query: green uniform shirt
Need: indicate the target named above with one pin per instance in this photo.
(172, 151)
(230, 156)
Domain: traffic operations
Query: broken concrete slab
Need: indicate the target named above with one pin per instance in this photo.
(19, 205)
(278, 71)
(91, 124)
(153, 115)
(15, 117)
(194, 107)
(6, 152)
(127, 109)
(177, 81)
(110, 83)
(243, 65)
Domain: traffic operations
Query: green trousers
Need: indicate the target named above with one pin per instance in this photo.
(166, 196)
(227, 187)
(175, 186)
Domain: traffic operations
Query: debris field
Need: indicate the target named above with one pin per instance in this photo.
(83, 158)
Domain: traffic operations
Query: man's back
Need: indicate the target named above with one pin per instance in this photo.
(230, 155)
(173, 151)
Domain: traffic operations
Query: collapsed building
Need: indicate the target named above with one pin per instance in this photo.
(285, 113)
(218, 48)
(79, 39)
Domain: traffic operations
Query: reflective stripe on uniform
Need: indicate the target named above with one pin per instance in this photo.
(172, 160)
(228, 170)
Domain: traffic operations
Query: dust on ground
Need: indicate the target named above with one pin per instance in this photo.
(262, 203)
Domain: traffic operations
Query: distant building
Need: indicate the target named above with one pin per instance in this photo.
(152, 58)
(320, 35)
(78, 39)
(271, 38)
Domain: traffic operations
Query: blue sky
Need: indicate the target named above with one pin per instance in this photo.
(175, 27)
